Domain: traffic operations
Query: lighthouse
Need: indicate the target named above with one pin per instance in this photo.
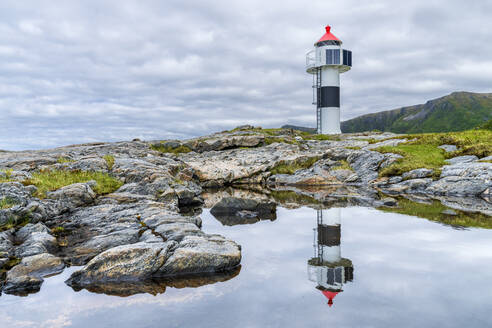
(326, 62)
(328, 269)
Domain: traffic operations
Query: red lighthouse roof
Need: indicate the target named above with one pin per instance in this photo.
(330, 296)
(328, 36)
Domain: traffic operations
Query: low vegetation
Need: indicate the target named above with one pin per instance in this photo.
(343, 165)
(167, 149)
(422, 150)
(15, 222)
(6, 176)
(438, 213)
(292, 166)
(6, 203)
(55, 179)
(62, 160)
(109, 161)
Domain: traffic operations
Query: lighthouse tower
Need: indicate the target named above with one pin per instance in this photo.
(325, 63)
(328, 269)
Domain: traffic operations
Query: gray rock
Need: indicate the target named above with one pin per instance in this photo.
(25, 232)
(74, 195)
(408, 186)
(417, 174)
(28, 275)
(463, 179)
(200, 254)
(389, 201)
(232, 210)
(123, 263)
(36, 243)
(448, 148)
(449, 212)
(366, 164)
(462, 159)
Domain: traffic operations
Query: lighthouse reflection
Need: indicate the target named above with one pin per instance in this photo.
(328, 269)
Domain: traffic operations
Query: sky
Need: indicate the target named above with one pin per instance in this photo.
(102, 70)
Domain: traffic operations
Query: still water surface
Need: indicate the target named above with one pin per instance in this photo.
(404, 272)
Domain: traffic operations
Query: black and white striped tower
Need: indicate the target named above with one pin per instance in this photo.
(325, 63)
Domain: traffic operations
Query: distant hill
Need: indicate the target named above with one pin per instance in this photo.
(455, 112)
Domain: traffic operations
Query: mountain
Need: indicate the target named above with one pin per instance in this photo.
(455, 112)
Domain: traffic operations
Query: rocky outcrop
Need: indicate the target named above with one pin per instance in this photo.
(233, 211)
(150, 227)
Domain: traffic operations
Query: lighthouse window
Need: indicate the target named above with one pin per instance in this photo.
(332, 56)
(347, 57)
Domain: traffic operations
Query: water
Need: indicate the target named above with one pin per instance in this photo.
(407, 272)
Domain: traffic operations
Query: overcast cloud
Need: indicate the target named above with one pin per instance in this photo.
(82, 71)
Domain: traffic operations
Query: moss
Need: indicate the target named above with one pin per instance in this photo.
(59, 231)
(434, 212)
(320, 137)
(109, 161)
(55, 179)
(166, 149)
(270, 140)
(8, 176)
(62, 160)
(343, 165)
(354, 148)
(6, 203)
(292, 166)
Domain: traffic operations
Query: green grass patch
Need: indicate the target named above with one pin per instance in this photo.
(55, 179)
(321, 137)
(15, 222)
(422, 151)
(433, 212)
(62, 160)
(109, 161)
(6, 203)
(271, 140)
(292, 167)
(344, 165)
(7, 177)
(414, 157)
(166, 149)
(354, 148)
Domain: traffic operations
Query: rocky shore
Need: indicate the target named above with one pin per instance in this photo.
(148, 229)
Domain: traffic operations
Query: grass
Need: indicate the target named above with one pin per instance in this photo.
(8, 176)
(423, 152)
(6, 203)
(109, 161)
(433, 212)
(293, 166)
(166, 149)
(321, 137)
(354, 148)
(14, 222)
(344, 165)
(62, 160)
(55, 179)
(270, 140)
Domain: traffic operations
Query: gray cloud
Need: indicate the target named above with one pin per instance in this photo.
(79, 71)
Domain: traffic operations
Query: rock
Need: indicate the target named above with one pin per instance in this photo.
(408, 186)
(417, 174)
(6, 243)
(488, 158)
(74, 195)
(200, 254)
(36, 243)
(389, 201)
(463, 179)
(448, 148)
(385, 143)
(462, 159)
(231, 211)
(134, 262)
(395, 179)
(25, 232)
(28, 275)
(366, 163)
(449, 212)
(225, 141)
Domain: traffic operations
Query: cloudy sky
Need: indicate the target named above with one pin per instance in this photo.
(93, 70)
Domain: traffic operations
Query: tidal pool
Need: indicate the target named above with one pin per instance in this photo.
(342, 267)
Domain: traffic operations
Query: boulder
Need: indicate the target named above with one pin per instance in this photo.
(232, 211)
(28, 275)
(462, 159)
(74, 195)
(408, 186)
(201, 254)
